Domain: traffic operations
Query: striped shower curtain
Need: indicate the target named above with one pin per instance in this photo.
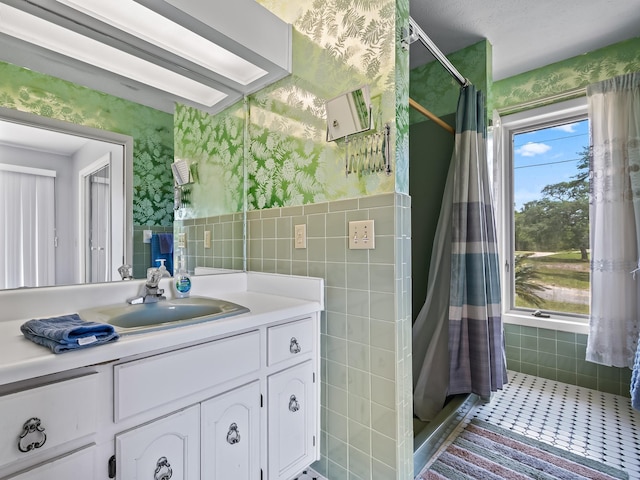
(477, 362)
(457, 336)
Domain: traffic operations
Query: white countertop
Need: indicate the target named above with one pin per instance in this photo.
(264, 294)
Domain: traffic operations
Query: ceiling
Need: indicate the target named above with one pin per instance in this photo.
(525, 34)
(94, 44)
(23, 136)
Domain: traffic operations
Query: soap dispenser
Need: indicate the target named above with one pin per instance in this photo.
(162, 269)
(182, 280)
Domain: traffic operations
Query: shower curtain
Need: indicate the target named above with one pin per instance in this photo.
(458, 344)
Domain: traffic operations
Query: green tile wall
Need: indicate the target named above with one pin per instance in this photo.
(366, 405)
(227, 241)
(141, 250)
(561, 356)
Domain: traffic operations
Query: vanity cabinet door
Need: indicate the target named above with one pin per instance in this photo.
(292, 421)
(231, 435)
(168, 448)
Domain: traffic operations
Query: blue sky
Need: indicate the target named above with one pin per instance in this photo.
(546, 156)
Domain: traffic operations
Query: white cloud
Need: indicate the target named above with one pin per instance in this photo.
(568, 128)
(532, 149)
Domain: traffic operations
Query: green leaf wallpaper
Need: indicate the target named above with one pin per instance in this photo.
(437, 91)
(152, 131)
(567, 75)
(402, 99)
(214, 144)
(338, 45)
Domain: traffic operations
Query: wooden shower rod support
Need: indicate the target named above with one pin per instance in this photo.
(431, 116)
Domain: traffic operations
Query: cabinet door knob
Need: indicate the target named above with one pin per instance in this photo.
(163, 469)
(233, 435)
(294, 346)
(35, 430)
(294, 405)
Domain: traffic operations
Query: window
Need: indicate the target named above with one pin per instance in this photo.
(544, 214)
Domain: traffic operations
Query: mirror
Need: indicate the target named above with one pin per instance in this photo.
(47, 79)
(349, 113)
(67, 195)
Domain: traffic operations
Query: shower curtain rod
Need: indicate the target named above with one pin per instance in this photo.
(432, 116)
(416, 33)
(415, 30)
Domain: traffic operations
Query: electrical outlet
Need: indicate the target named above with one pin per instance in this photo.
(207, 239)
(361, 235)
(182, 240)
(300, 236)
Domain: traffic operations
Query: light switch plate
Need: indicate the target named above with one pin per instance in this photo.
(300, 236)
(361, 235)
(146, 236)
(207, 239)
(182, 240)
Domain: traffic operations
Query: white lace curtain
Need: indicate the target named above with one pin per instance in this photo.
(614, 113)
(27, 230)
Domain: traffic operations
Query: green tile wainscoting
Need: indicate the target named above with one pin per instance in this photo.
(366, 405)
(226, 250)
(561, 356)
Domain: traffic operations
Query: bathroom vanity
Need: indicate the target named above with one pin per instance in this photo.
(235, 398)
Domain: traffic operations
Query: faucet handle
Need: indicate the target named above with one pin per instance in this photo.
(125, 271)
(153, 276)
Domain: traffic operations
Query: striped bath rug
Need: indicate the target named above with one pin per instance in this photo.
(484, 451)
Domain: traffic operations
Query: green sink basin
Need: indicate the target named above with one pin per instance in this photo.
(164, 314)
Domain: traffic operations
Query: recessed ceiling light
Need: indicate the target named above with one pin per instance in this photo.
(144, 23)
(32, 29)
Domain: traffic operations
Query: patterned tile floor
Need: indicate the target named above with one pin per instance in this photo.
(594, 424)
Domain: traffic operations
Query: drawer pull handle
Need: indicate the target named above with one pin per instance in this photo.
(32, 426)
(233, 435)
(294, 405)
(163, 469)
(294, 346)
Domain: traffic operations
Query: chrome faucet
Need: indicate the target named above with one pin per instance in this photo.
(152, 293)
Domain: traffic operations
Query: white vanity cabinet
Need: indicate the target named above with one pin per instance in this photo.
(292, 421)
(41, 426)
(78, 464)
(231, 435)
(246, 407)
(168, 448)
(231, 399)
(293, 397)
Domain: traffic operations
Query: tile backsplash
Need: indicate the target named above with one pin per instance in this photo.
(226, 247)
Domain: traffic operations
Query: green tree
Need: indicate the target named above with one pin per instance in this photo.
(560, 219)
(526, 278)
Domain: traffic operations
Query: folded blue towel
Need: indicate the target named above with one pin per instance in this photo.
(67, 332)
(635, 381)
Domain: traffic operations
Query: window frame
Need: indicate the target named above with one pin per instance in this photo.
(521, 122)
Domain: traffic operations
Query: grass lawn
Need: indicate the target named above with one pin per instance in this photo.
(560, 269)
(551, 306)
